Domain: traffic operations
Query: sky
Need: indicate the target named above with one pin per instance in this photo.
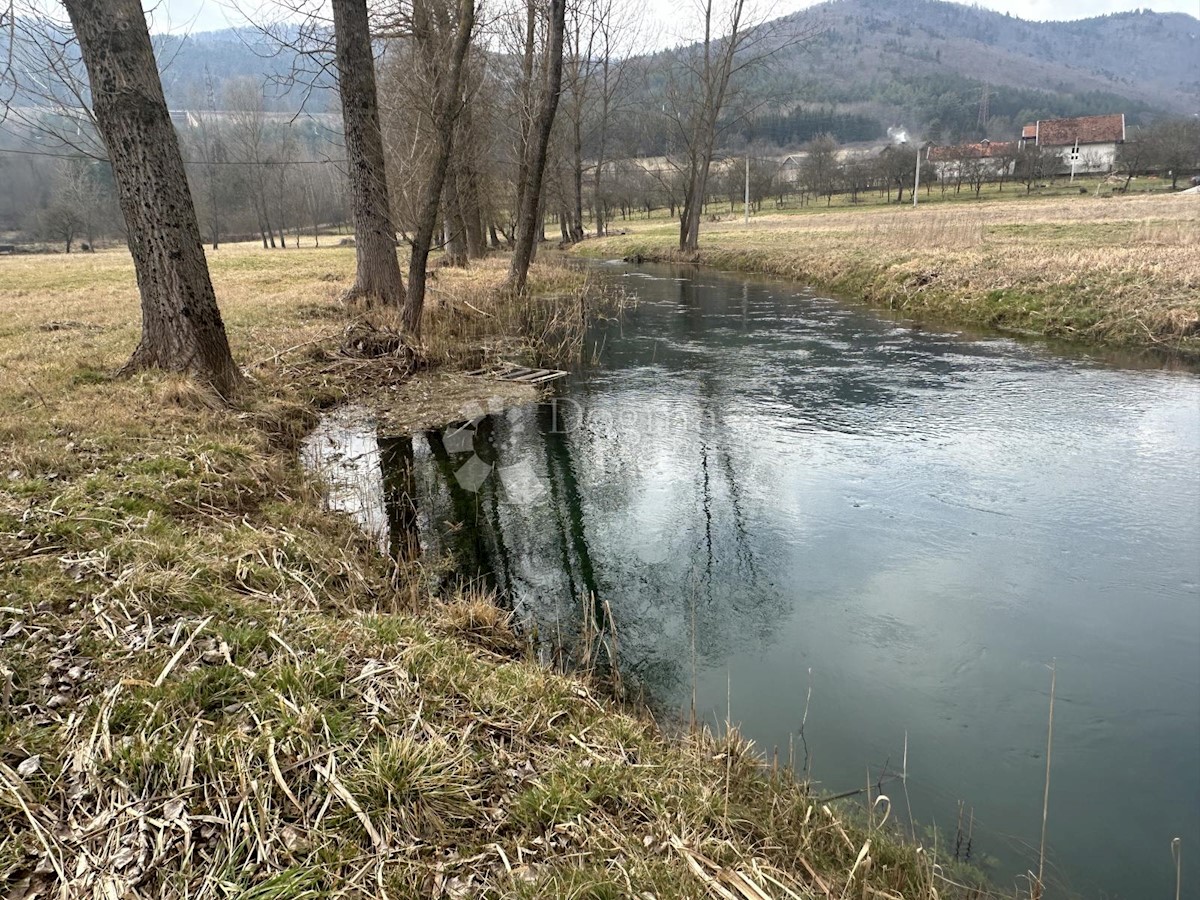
(207, 15)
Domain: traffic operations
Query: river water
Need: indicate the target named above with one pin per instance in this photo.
(791, 502)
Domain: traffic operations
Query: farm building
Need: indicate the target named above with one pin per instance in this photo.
(990, 158)
(1082, 144)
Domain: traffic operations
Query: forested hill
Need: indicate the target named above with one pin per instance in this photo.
(919, 64)
(922, 63)
(191, 63)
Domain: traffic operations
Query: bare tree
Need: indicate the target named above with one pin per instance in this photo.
(377, 274)
(819, 170)
(896, 166)
(1133, 156)
(599, 38)
(43, 64)
(250, 143)
(77, 203)
(1174, 147)
(212, 153)
(578, 74)
(977, 170)
(1032, 165)
(181, 324)
(441, 32)
(701, 82)
(533, 162)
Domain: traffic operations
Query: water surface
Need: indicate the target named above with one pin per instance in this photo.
(777, 493)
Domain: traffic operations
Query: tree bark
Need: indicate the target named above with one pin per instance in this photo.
(576, 232)
(182, 329)
(456, 228)
(468, 198)
(377, 270)
(530, 189)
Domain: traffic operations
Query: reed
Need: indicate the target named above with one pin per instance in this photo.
(1176, 855)
(1039, 883)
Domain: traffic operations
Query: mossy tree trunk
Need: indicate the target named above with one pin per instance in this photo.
(182, 329)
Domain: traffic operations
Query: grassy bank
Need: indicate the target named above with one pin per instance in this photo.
(1118, 270)
(211, 686)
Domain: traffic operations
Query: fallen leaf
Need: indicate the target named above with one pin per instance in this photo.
(173, 810)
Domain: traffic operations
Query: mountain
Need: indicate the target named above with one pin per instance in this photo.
(896, 59)
(190, 62)
(922, 65)
(192, 67)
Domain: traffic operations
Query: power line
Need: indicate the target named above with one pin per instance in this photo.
(186, 162)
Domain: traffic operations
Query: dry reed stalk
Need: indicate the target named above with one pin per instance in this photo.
(1176, 855)
(1046, 790)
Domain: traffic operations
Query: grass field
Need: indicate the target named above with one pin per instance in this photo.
(1113, 269)
(213, 687)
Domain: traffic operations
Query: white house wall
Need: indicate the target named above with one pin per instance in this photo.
(1090, 158)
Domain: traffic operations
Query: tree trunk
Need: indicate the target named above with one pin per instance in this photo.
(456, 229)
(377, 274)
(576, 231)
(182, 329)
(446, 107)
(597, 191)
(530, 191)
(468, 199)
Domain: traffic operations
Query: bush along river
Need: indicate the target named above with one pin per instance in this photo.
(865, 542)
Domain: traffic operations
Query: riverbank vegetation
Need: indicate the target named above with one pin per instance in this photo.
(212, 686)
(1119, 270)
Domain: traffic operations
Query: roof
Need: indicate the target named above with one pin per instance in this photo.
(1084, 129)
(1029, 132)
(982, 150)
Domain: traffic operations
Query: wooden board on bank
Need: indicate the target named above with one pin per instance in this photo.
(519, 374)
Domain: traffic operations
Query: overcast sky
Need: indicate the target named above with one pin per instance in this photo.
(207, 15)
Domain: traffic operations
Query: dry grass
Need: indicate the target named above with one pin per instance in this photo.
(1117, 270)
(211, 686)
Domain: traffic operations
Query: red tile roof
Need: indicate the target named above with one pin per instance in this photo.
(1029, 132)
(982, 150)
(1084, 129)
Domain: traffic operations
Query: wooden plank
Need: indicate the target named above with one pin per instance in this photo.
(520, 374)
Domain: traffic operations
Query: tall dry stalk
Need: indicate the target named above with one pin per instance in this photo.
(1176, 855)
(1046, 790)
(912, 825)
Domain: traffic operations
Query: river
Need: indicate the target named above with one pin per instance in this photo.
(792, 502)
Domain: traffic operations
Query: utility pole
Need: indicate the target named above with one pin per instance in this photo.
(917, 176)
(747, 188)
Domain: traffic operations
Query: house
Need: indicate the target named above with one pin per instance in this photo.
(1082, 144)
(789, 169)
(989, 158)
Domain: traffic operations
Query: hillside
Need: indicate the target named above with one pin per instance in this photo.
(899, 60)
(923, 65)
